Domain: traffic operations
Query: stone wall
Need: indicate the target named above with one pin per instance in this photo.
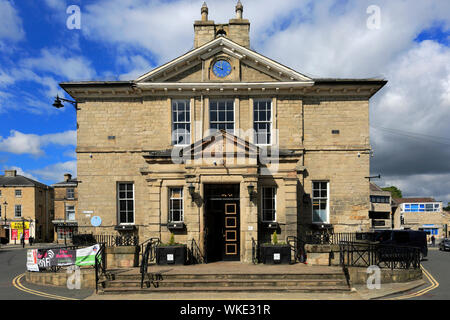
(60, 278)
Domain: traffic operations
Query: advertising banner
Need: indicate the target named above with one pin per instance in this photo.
(55, 257)
(86, 256)
(14, 234)
(19, 225)
(32, 261)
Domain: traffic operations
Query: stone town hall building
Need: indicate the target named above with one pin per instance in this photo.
(222, 145)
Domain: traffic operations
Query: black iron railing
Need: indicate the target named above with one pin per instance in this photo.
(298, 247)
(195, 255)
(100, 265)
(326, 237)
(149, 254)
(108, 239)
(358, 254)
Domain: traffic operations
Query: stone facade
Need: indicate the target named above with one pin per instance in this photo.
(66, 207)
(35, 201)
(320, 133)
(434, 222)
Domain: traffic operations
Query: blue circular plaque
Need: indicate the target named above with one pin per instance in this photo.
(96, 221)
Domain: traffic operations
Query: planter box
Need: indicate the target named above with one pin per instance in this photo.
(275, 254)
(171, 254)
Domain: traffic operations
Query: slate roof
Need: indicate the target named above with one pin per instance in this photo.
(73, 182)
(414, 200)
(20, 181)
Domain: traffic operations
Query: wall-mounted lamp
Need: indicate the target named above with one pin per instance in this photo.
(251, 190)
(58, 104)
(191, 189)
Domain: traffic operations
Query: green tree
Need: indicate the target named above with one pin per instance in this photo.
(395, 192)
(447, 208)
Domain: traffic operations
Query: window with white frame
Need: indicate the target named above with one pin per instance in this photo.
(269, 205)
(320, 201)
(70, 212)
(176, 204)
(18, 193)
(262, 121)
(70, 193)
(221, 115)
(181, 122)
(125, 199)
(18, 210)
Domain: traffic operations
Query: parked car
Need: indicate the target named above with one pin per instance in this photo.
(444, 244)
(404, 238)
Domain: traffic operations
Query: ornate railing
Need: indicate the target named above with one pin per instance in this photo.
(195, 255)
(108, 239)
(326, 237)
(149, 254)
(358, 254)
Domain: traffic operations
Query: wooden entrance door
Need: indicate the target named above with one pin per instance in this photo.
(231, 231)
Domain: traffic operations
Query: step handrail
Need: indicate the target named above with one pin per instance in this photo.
(148, 254)
(100, 264)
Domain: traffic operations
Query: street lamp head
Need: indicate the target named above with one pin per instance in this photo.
(58, 104)
(5, 203)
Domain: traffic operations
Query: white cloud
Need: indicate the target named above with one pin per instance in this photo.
(10, 22)
(55, 172)
(137, 66)
(21, 143)
(61, 63)
(56, 4)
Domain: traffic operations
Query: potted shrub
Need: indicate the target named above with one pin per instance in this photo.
(171, 252)
(275, 252)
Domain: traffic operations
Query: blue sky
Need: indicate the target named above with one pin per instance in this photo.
(122, 39)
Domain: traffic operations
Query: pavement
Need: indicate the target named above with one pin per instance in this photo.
(14, 258)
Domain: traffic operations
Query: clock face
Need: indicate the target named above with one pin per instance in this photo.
(222, 68)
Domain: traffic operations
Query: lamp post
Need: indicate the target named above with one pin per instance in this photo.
(5, 204)
(58, 104)
(5, 223)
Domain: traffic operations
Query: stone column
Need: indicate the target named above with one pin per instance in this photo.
(153, 217)
(249, 218)
(290, 186)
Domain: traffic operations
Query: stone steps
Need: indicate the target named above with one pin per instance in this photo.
(228, 283)
(273, 289)
(308, 281)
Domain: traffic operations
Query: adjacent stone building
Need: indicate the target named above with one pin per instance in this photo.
(26, 208)
(66, 200)
(380, 214)
(422, 214)
(223, 146)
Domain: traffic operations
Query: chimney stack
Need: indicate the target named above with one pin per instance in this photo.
(67, 177)
(10, 173)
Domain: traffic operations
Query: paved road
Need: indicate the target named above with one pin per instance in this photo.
(12, 264)
(437, 265)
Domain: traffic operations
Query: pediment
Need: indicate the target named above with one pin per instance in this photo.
(188, 67)
(219, 149)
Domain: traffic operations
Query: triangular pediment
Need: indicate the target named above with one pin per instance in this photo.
(219, 149)
(187, 67)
